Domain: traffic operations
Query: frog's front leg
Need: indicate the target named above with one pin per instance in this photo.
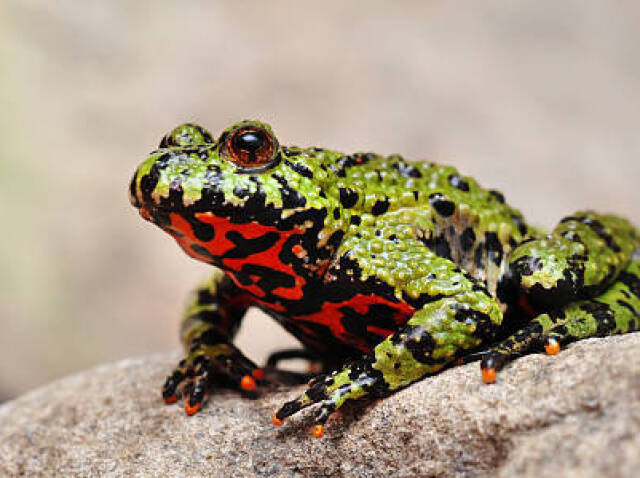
(209, 324)
(453, 314)
(435, 336)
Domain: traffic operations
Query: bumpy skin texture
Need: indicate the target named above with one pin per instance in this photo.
(386, 270)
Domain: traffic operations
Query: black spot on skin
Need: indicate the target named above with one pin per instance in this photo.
(416, 194)
(527, 265)
(443, 207)
(597, 227)
(301, 169)
(627, 305)
(631, 281)
(467, 239)
(603, 315)
(522, 227)
(147, 185)
(380, 207)
(348, 197)
(507, 289)
(291, 198)
(287, 152)
(494, 248)
(479, 256)
(484, 327)
(407, 170)
(497, 195)
(336, 214)
(241, 192)
(355, 220)
(419, 342)
(440, 246)
(458, 182)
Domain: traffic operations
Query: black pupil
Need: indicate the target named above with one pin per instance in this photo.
(251, 142)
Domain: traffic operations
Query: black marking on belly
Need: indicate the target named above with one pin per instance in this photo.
(245, 248)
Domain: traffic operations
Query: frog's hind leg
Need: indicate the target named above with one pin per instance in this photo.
(578, 260)
(615, 311)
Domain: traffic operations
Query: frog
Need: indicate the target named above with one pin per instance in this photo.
(385, 270)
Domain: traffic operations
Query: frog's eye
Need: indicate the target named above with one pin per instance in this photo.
(250, 146)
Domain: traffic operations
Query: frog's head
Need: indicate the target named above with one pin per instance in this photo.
(239, 195)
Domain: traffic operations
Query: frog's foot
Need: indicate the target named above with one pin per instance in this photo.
(205, 366)
(530, 339)
(355, 381)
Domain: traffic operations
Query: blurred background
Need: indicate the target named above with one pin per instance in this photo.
(538, 99)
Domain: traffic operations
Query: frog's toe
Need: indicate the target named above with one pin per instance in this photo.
(496, 358)
(194, 377)
(170, 387)
(330, 392)
(316, 392)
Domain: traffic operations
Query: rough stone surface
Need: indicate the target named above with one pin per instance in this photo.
(575, 414)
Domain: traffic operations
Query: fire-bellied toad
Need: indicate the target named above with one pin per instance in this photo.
(385, 270)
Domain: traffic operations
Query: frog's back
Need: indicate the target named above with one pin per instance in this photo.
(472, 226)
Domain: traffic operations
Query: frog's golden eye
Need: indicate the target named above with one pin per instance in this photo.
(250, 146)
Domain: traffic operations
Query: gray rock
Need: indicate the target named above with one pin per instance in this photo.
(575, 414)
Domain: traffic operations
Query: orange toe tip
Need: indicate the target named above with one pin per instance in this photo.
(552, 347)
(276, 421)
(489, 375)
(258, 374)
(192, 410)
(318, 431)
(171, 399)
(248, 383)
